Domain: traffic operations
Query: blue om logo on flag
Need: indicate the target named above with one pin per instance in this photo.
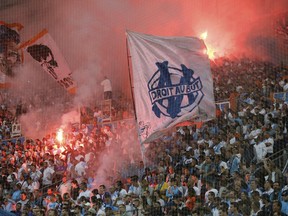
(173, 91)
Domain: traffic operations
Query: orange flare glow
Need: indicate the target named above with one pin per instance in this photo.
(60, 136)
(204, 35)
(209, 51)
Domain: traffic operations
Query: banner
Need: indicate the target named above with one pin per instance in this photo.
(172, 82)
(9, 53)
(44, 50)
(281, 96)
(224, 105)
(16, 130)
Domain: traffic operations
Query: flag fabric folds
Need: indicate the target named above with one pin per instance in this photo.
(172, 82)
(45, 51)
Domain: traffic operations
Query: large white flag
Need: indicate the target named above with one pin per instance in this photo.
(45, 51)
(172, 82)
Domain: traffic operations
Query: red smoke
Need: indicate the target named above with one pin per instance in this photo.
(91, 34)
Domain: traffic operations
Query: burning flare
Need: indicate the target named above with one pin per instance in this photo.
(60, 136)
(209, 51)
(204, 35)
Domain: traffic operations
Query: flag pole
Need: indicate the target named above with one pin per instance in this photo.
(134, 107)
(130, 80)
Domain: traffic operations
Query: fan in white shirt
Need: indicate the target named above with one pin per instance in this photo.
(84, 191)
(32, 185)
(48, 174)
(64, 187)
(35, 174)
(81, 167)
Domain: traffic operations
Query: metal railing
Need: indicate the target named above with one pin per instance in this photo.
(21, 138)
(54, 185)
(279, 158)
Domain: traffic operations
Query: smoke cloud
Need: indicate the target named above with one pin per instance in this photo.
(91, 35)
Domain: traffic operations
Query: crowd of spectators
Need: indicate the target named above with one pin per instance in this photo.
(226, 166)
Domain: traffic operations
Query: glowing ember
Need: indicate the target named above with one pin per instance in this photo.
(209, 51)
(60, 136)
(204, 35)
